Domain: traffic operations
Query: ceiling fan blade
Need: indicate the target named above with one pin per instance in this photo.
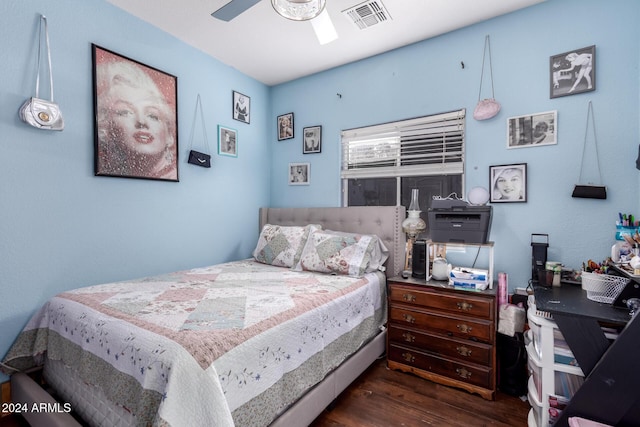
(323, 27)
(233, 9)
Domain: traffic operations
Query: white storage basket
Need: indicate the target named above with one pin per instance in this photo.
(603, 287)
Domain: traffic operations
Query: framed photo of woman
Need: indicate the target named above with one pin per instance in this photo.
(285, 126)
(241, 107)
(573, 72)
(136, 118)
(312, 140)
(299, 173)
(227, 141)
(508, 183)
(532, 130)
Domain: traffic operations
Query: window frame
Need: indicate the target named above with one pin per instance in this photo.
(444, 131)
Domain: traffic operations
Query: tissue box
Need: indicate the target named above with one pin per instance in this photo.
(511, 319)
(469, 278)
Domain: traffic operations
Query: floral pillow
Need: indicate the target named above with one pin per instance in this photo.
(282, 245)
(342, 253)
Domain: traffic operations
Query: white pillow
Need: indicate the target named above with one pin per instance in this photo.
(343, 253)
(282, 245)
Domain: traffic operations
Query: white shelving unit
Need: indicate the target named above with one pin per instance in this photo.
(547, 377)
(487, 245)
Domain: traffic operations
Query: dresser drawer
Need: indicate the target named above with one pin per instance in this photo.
(463, 302)
(442, 323)
(477, 375)
(463, 350)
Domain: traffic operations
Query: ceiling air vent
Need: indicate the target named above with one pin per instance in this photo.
(367, 14)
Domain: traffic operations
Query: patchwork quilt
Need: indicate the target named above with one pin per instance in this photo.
(234, 343)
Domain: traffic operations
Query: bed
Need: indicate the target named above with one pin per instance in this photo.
(270, 340)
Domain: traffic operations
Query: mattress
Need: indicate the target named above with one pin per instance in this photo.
(235, 343)
(86, 400)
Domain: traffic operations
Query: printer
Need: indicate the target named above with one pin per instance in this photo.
(456, 221)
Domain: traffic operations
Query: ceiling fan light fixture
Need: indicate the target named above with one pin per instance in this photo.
(299, 10)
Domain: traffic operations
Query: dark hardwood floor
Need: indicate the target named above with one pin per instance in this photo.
(382, 397)
(385, 398)
(13, 421)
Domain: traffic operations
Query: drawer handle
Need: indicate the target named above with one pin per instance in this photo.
(408, 318)
(465, 306)
(408, 357)
(408, 337)
(409, 297)
(464, 328)
(463, 351)
(463, 373)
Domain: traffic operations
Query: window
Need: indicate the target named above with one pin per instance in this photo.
(382, 163)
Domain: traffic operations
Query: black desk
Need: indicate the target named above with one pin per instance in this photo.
(611, 391)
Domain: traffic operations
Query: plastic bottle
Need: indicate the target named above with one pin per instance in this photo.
(503, 287)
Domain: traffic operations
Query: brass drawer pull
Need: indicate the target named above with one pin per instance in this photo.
(408, 318)
(463, 351)
(463, 373)
(464, 328)
(408, 337)
(465, 306)
(408, 357)
(409, 297)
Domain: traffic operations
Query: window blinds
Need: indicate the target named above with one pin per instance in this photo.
(430, 145)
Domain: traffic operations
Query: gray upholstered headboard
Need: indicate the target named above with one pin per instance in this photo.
(383, 221)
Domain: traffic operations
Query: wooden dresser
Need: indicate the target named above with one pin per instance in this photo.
(443, 334)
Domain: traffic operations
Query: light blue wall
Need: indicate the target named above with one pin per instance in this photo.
(427, 78)
(60, 226)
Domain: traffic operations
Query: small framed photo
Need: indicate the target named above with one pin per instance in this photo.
(299, 173)
(508, 183)
(532, 130)
(573, 72)
(241, 107)
(285, 126)
(227, 141)
(312, 140)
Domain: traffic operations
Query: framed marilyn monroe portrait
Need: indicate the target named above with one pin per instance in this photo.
(136, 118)
(508, 183)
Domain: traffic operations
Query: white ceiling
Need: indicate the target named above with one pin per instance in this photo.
(273, 50)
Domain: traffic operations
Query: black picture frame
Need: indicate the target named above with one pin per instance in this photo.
(285, 126)
(508, 183)
(572, 72)
(241, 107)
(312, 140)
(136, 118)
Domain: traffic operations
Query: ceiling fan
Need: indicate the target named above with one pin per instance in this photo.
(296, 10)
(232, 9)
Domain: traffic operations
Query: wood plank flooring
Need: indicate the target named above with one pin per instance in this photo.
(384, 398)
